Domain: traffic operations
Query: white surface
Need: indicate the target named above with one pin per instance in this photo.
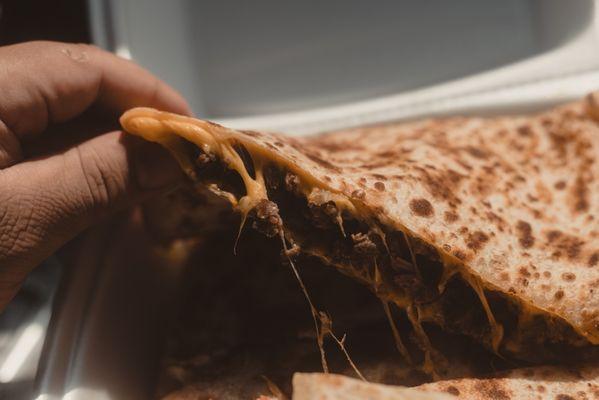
(303, 67)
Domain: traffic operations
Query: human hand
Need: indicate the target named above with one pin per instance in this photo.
(57, 174)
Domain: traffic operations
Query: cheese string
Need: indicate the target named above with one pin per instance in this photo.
(319, 336)
(326, 325)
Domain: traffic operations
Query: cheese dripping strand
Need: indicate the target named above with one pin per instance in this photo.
(325, 327)
(496, 328)
(313, 311)
(401, 347)
(477, 287)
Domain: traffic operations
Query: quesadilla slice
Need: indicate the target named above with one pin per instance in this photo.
(482, 227)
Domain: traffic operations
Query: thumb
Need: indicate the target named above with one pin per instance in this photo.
(46, 201)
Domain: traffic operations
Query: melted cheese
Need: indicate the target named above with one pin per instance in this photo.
(398, 342)
(496, 329)
(212, 141)
(423, 340)
(448, 273)
(449, 270)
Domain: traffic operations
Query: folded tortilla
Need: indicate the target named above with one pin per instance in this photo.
(485, 227)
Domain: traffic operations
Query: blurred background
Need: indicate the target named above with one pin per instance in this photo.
(302, 67)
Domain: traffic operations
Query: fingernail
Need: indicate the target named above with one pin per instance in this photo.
(155, 168)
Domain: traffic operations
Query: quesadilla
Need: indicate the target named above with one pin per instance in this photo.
(483, 227)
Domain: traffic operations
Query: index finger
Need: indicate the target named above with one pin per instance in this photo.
(45, 82)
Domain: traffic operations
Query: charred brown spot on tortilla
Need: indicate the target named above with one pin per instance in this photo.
(523, 271)
(564, 244)
(525, 236)
(560, 185)
(441, 185)
(476, 152)
(422, 207)
(492, 390)
(541, 389)
(553, 235)
(496, 219)
(452, 390)
(593, 259)
(477, 240)
(525, 130)
(460, 255)
(559, 295)
(580, 194)
(387, 154)
(568, 276)
(451, 216)
(380, 186)
(563, 396)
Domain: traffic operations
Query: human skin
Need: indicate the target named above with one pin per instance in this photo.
(60, 169)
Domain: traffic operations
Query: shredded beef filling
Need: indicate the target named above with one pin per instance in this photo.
(266, 218)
